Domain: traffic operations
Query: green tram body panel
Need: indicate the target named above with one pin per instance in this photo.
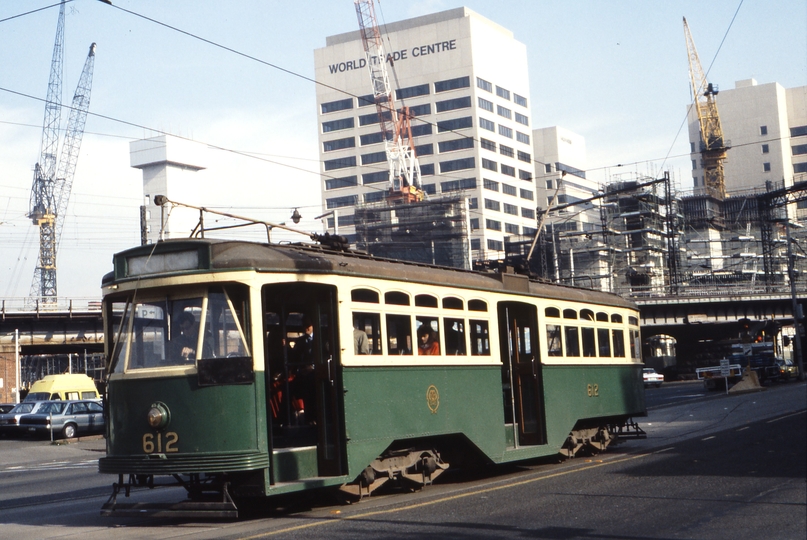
(218, 428)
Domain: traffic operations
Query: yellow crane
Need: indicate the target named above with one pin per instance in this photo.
(713, 148)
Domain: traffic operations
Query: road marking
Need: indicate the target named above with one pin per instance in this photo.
(707, 438)
(327, 521)
(785, 416)
(743, 428)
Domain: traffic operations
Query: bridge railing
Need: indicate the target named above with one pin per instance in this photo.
(21, 305)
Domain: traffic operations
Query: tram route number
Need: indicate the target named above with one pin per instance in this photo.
(152, 443)
(593, 390)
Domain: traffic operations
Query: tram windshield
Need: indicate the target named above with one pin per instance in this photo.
(178, 329)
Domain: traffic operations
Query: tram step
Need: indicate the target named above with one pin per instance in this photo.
(217, 510)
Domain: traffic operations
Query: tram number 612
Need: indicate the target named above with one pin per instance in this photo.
(152, 444)
(593, 390)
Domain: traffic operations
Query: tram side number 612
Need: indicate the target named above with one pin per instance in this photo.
(593, 390)
(152, 445)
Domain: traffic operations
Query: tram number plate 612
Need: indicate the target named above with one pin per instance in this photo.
(593, 390)
(160, 444)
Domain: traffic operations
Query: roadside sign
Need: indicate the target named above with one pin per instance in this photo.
(725, 370)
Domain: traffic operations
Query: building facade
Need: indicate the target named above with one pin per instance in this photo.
(765, 126)
(465, 79)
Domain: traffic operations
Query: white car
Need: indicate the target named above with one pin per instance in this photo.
(652, 377)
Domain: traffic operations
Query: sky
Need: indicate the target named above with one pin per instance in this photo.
(614, 72)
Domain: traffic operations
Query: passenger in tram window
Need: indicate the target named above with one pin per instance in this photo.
(184, 342)
(429, 342)
(361, 344)
(304, 381)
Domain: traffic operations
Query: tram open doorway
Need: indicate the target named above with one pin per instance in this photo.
(522, 379)
(303, 381)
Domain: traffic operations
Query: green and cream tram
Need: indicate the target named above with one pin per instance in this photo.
(248, 370)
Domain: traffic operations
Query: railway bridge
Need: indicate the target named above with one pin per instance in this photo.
(704, 327)
(42, 339)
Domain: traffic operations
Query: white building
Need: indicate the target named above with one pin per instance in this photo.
(466, 80)
(766, 127)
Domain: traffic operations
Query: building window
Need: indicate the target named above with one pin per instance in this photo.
(365, 101)
(375, 178)
(502, 93)
(527, 194)
(474, 224)
(800, 167)
(521, 119)
(487, 124)
(371, 119)
(458, 185)
(426, 169)
(528, 231)
(486, 144)
(336, 183)
(490, 204)
(412, 91)
(524, 156)
(765, 149)
(510, 209)
(490, 165)
(503, 111)
(493, 225)
(547, 167)
(508, 170)
(798, 131)
(340, 163)
(799, 149)
(473, 203)
(692, 147)
(375, 157)
(505, 131)
(339, 202)
(457, 165)
(452, 84)
(455, 144)
(524, 175)
(336, 125)
(476, 243)
(485, 104)
(490, 184)
(374, 196)
(495, 245)
(339, 144)
(549, 184)
(373, 138)
(423, 129)
(455, 124)
(424, 150)
(506, 151)
(453, 104)
(340, 105)
(766, 167)
(694, 164)
(431, 189)
(420, 110)
(509, 228)
(528, 213)
(484, 85)
(522, 137)
(507, 189)
(763, 130)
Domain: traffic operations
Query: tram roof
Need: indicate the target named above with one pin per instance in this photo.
(218, 254)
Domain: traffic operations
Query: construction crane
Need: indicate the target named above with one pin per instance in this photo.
(53, 179)
(713, 147)
(396, 130)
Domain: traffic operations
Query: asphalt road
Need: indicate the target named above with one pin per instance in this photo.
(712, 467)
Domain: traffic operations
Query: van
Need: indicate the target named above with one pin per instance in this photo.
(63, 387)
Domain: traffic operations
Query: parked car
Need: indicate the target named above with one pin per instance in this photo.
(5, 407)
(652, 377)
(787, 369)
(10, 421)
(67, 419)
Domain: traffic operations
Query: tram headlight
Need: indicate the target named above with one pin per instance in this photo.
(158, 415)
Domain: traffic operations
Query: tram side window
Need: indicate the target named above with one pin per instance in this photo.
(480, 339)
(455, 336)
(428, 333)
(554, 345)
(634, 344)
(604, 341)
(619, 343)
(572, 341)
(370, 325)
(225, 332)
(399, 334)
(589, 343)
